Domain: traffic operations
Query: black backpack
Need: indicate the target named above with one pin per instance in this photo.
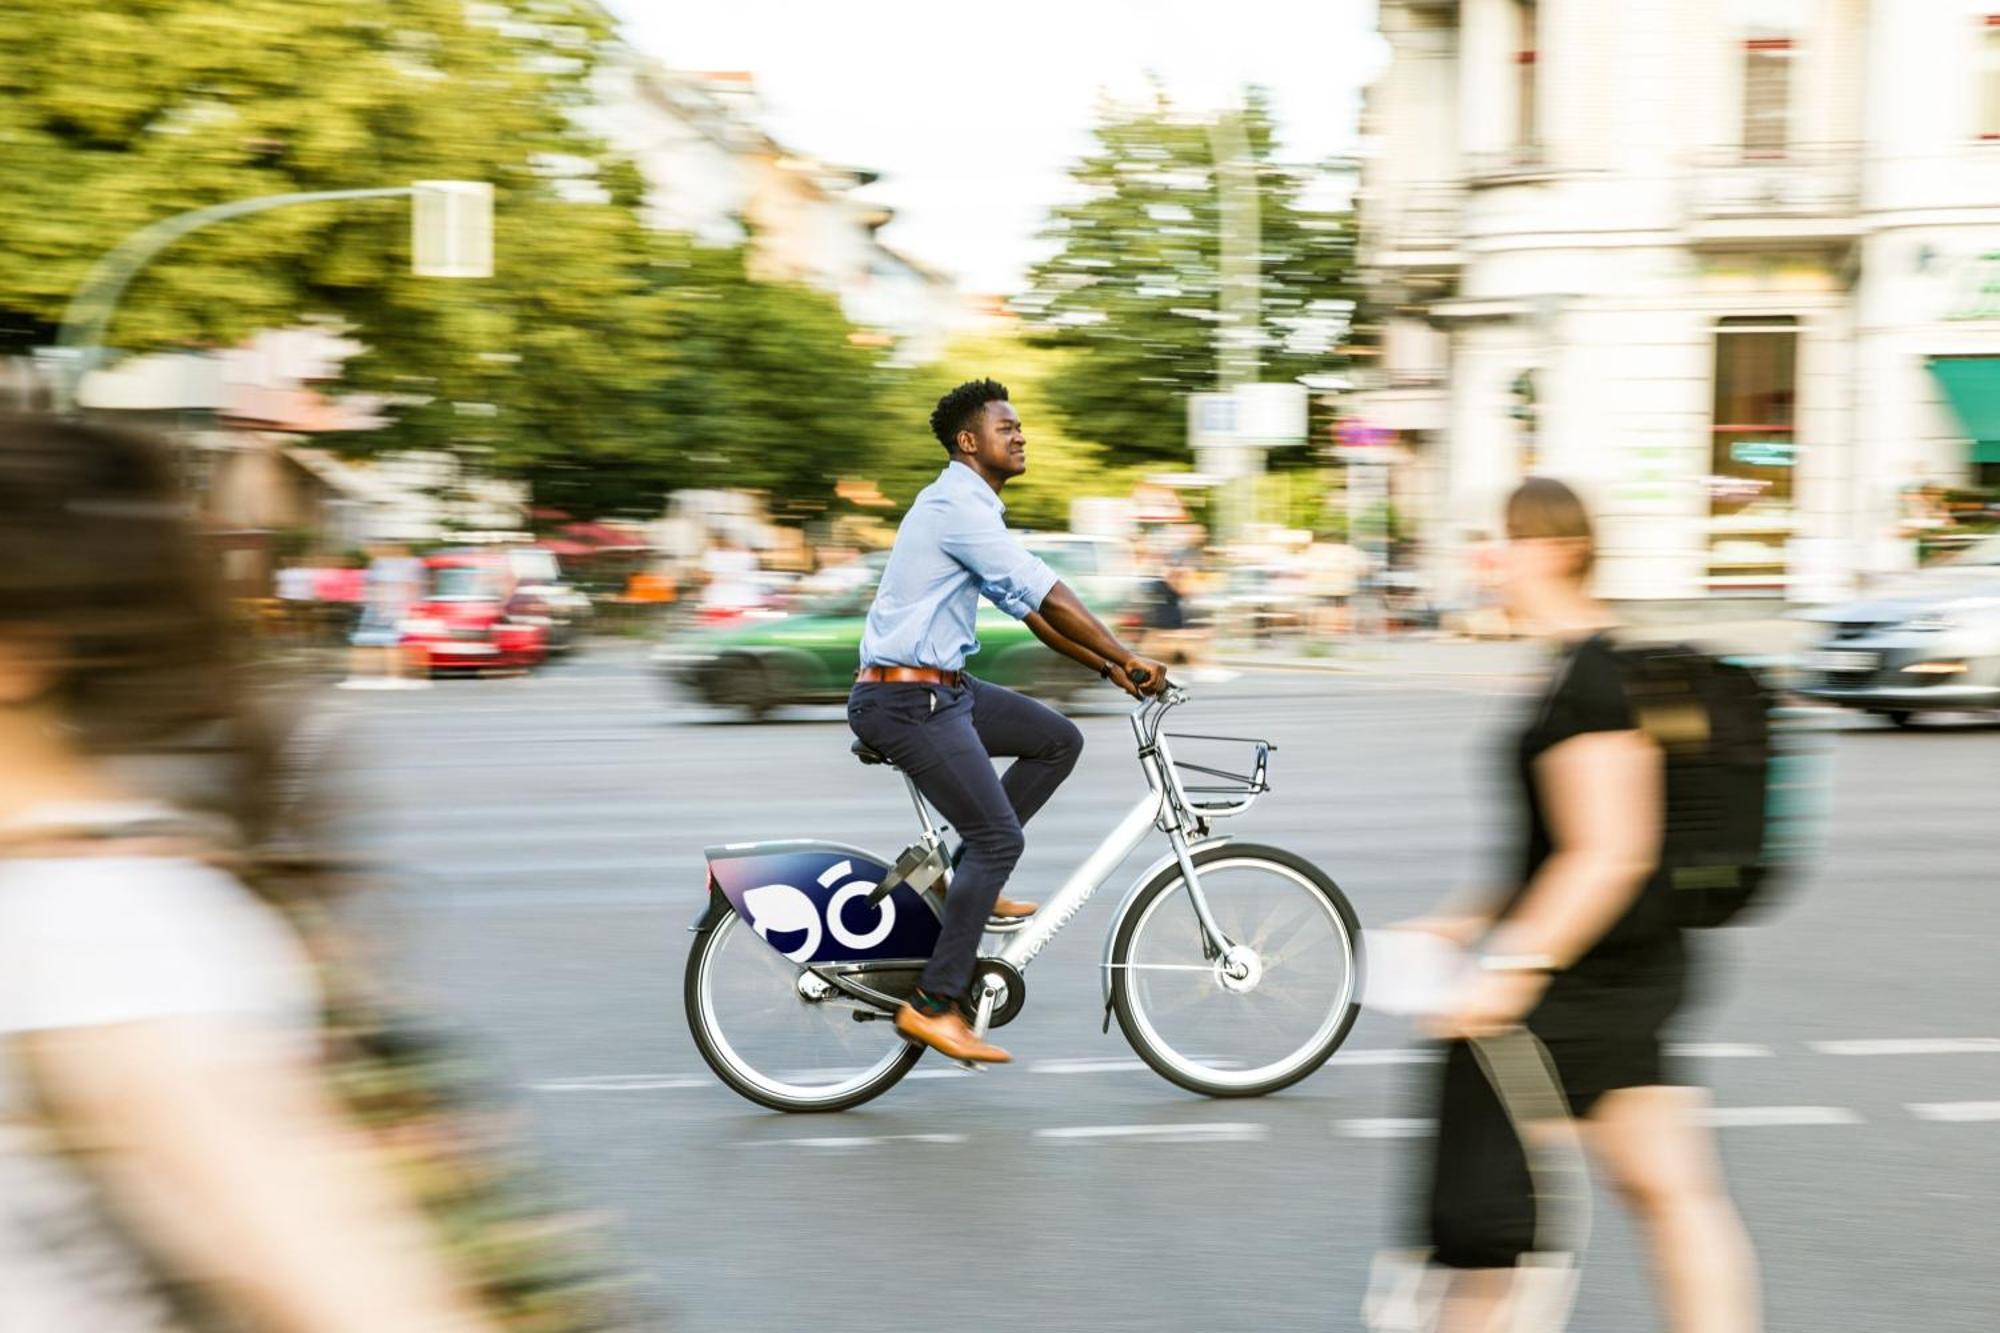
(1741, 779)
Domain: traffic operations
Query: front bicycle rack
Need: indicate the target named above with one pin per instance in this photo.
(1210, 790)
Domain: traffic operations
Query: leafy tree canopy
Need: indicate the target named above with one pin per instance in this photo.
(1135, 279)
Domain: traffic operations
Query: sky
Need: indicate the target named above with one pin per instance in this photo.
(973, 113)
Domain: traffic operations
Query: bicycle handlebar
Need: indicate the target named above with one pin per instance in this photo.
(1170, 697)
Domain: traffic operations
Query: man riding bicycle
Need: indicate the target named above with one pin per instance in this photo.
(913, 701)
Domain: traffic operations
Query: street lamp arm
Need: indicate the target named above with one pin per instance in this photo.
(88, 316)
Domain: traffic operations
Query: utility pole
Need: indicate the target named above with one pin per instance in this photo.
(1239, 295)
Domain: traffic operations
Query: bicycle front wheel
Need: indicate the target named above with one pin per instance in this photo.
(1273, 1007)
(779, 1036)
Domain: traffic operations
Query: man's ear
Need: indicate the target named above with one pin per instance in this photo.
(968, 443)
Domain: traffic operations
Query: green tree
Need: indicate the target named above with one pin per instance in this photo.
(1134, 281)
(768, 385)
(1061, 467)
(603, 362)
(120, 113)
(116, 114)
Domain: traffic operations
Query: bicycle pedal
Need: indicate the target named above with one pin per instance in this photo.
(1005, 925)
(973, 1066)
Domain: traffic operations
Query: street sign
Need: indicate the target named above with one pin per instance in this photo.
(1764, 453)
(451, 229)
(1271, 414)
(1356, 441)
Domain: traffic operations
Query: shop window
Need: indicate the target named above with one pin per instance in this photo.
(1753, 452)
(1767, 96)
(1989, 79)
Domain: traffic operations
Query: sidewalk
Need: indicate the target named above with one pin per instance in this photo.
(1431, 655)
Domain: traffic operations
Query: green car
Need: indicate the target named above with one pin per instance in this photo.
(810, 655)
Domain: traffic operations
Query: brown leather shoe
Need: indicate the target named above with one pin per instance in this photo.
(1007, 909)
(948, 1034)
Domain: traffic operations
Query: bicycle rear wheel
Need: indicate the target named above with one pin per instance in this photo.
(1273, 1007)
(778, 1035)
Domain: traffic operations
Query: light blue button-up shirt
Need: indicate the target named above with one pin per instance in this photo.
(953, 546)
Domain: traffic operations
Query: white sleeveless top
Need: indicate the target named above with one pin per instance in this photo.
(89, 941)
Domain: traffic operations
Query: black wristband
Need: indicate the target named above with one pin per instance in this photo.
(1104, 670)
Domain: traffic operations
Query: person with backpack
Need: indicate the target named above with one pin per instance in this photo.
(1584, 946)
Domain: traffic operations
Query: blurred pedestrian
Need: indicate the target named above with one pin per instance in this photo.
(1333, 574)
(1583, 951)
(298, 601)
(838, 570)
(395, 583)
(169, 1144)
(729, 580)
(1177, 629)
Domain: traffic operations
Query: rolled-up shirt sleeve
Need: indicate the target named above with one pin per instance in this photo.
(1009, 575)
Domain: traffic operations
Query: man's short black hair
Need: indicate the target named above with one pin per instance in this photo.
(957, 410)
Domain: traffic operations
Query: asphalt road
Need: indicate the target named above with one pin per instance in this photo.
(550, 830)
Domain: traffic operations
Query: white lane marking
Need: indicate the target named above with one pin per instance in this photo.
(854, 1140)
(622, 1083)
(1718, 1117)
(1385, 1127)
(1236, 1131)
(1910, 1046)
(1746, 1117)
(1086, 1065)
(1955, 1112)
(1718, 1050)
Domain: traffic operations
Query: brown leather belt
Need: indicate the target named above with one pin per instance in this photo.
(902, 675)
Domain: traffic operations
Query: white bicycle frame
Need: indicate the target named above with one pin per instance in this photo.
(1166, 806)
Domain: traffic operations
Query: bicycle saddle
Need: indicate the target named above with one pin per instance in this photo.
(868, 754)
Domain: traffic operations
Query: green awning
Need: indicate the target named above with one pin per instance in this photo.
(1973, 385)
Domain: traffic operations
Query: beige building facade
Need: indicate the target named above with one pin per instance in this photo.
(1733, 266)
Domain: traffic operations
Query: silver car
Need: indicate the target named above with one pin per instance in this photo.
(1926, 643)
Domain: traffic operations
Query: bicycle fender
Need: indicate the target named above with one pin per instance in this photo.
(713, 909)
(808, 900)
(1125, 903)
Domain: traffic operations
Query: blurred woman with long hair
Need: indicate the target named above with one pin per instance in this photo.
(1582, 949)
(169, 1144)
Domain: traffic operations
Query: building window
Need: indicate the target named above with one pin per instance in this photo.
(1753, 451)
(1527, 111)
(1989, 79)
(1767, 96)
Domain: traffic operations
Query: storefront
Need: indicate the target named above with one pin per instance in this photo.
(1971, 386)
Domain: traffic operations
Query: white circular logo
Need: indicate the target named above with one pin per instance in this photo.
(865, 939)
(782, 908)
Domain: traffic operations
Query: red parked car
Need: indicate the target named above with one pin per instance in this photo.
(464, 624)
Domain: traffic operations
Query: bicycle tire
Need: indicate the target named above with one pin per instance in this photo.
(713, 1046)
(1301, 1063)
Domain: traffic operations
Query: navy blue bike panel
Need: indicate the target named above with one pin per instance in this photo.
(809, 901)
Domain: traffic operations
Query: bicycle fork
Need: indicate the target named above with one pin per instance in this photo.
(1213, 942)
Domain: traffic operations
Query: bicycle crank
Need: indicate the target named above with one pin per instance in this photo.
(999, 990)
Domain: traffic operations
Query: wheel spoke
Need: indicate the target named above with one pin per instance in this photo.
(795, 1051)
(1288, 1019)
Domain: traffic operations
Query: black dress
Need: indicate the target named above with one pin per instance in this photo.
(1601, 1018)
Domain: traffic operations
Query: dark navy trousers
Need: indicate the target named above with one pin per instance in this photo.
(946, 739)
